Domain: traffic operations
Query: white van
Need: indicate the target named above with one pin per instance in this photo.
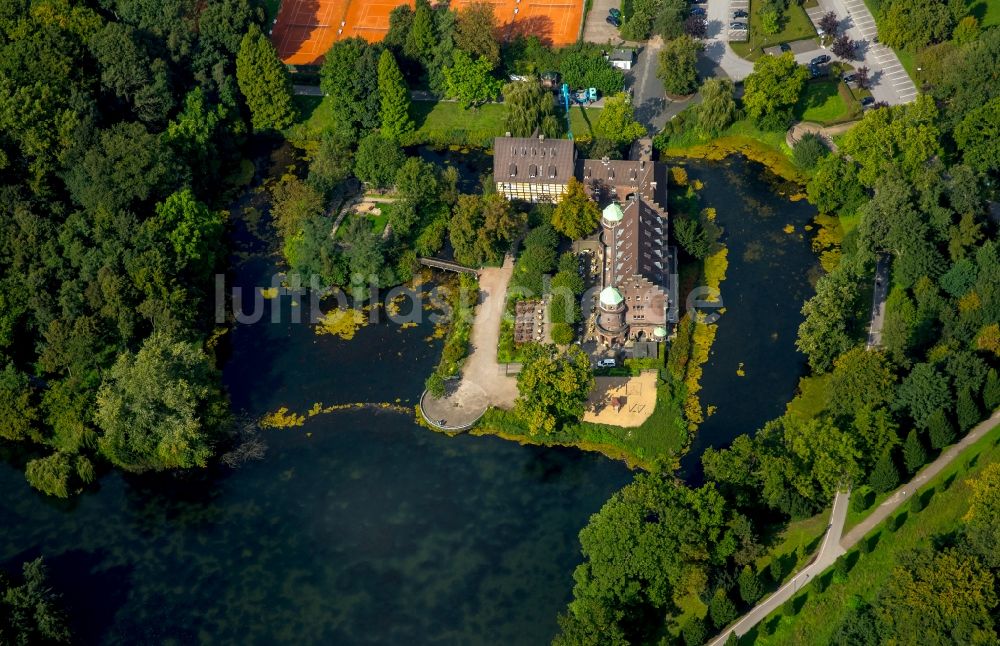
(607, 363)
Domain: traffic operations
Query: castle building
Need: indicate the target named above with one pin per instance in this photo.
(638, 299)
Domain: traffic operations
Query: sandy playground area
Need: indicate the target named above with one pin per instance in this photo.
(636, 395)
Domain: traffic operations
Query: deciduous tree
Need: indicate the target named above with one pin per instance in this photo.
(471, 81)
(378, 160)
(616, 122)
(677, 66)
(160, 408)
(553, 386)
(476, 33)
(773, 89)
(576, 215)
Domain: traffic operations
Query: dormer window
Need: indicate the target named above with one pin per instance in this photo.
(513, 170)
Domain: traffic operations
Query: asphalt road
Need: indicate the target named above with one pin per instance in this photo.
(830, 550)
(889, 81)
(879, 295)
(834, 546)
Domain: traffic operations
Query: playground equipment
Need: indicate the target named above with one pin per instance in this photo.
(569, 124)
(579, 97)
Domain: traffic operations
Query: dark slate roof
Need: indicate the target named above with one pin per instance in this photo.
(533, 161)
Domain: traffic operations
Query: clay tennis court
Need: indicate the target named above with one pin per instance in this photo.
(305, 29)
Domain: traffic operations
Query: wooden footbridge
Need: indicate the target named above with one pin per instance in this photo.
(448, 265)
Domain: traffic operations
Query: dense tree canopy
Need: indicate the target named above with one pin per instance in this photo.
(160, 408)
(677, 65)
(553, 386)
(576, 215)
(773, 89)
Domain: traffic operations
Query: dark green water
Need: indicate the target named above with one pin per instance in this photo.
(361, 527)
(766, 283)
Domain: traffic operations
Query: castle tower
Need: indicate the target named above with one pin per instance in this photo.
(611, 317)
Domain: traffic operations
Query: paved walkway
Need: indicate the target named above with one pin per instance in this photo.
(830, 550)
(879, 296)
(825, 132)
(904, 493)
(484, 381)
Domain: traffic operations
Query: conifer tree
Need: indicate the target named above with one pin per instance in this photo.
(967, 410)
(991, 391)
(721, 609)
(420, 41)
(885, 475)
(264, 82)
(395, 96)
(914, 454)
(750, 588)
(940, 430)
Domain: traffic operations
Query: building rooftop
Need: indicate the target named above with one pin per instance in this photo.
(533, 160)
(611, 297)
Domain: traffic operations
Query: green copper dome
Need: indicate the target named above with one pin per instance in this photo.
(660, 332)
(611, 297)
(613, 212)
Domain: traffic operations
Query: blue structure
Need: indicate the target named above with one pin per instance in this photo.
(569, 125)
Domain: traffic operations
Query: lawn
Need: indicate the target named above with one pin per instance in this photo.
(315, 117)
(987, 12)
(822, 102)
(441, 122)
(447, 123)
(582, 120)
(795, 26)
(741, 138)
(816, 614)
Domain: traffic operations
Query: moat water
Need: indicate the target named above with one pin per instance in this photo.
(360, 527)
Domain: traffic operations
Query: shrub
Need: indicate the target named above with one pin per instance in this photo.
(435, 385)
(809, 150)
(562, 333)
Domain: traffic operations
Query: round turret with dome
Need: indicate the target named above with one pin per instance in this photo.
(611, 317)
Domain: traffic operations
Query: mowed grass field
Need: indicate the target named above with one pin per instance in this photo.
(437, 122)
(826, 102)
(816, 614)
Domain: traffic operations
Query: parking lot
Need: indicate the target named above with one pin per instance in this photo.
(890, 83)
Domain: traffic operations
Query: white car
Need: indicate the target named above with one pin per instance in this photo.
(607, 363)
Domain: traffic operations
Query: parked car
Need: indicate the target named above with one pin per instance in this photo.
(816, 71)
(822, 59)
(697, 11)
(738, 26)
(616, 13)
(867, 102)
(785, 47)
(698, 1)
(607, 363)
(850, 78)
(740, 13)
(611, 20)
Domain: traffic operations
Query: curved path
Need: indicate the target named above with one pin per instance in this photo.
(833, 546)
(829, 551)
(825, 132)
(484, 381)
